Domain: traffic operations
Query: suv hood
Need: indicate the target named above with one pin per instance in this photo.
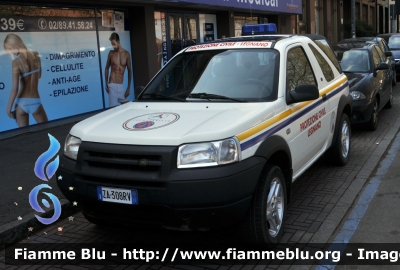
(171, 123)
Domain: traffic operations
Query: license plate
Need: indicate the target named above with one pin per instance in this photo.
(117, 195)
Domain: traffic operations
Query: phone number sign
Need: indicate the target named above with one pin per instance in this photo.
(46, 24)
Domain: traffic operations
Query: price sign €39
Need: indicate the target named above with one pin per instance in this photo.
(12, 24)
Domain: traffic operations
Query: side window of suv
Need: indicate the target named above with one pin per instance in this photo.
(324, 46)
(326, 69)
(298, 69)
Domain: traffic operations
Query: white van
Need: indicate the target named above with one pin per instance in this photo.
(217, 136)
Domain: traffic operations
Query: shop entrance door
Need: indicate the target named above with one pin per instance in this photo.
(183, 31)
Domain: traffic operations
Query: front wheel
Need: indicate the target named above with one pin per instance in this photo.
(266, 217)
(339, 152)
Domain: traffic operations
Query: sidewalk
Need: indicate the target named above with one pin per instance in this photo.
(376, 215)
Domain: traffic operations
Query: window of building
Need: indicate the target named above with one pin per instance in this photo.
(161, 38)
(365, 13)
(319, 17)
(242, 20)
(208, 27)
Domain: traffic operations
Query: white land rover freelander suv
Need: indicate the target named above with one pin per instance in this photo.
(217, 136)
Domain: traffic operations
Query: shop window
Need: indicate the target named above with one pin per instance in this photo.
(242, 20)
(59, 51)
(208, 27)
(319, 17)
(161, 39)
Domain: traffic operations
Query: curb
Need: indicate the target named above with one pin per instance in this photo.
(15, 231)
(332, 222)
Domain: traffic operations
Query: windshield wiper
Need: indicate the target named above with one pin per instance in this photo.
(154, 95)
(213, 96)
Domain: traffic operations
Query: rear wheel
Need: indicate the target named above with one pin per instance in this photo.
(339, 153)
(266, 217)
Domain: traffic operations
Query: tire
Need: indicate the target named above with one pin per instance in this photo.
(389, 103)
(339, 152)
(373, 121)
(267, 212)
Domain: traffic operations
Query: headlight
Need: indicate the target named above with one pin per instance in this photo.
(71, 146)
(208, 153)
(357, 95)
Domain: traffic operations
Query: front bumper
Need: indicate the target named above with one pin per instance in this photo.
(194, 198)
(362, 110)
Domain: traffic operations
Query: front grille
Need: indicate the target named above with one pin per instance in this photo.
(119, 183)
(128, 162)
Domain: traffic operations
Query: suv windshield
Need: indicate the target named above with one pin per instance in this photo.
(237, 75)
(394, 42)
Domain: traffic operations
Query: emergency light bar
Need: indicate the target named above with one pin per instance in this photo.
(259, 29)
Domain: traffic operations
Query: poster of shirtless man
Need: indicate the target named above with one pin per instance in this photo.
(119, 60)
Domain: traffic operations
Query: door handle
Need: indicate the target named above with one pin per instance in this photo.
(324, 97)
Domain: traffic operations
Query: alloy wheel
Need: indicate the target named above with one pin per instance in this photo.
(275, 207)
(345, 139)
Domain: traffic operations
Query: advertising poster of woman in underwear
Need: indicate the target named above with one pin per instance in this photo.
(26, 72)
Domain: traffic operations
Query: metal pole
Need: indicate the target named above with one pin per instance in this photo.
(353, 18)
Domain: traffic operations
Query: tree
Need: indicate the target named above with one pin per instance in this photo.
(363, 29)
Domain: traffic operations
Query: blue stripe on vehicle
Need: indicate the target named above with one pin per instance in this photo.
(261, 137)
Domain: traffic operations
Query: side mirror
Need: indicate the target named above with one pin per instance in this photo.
(382, 66)
(302, 92)
(388, 54)
(138, 90)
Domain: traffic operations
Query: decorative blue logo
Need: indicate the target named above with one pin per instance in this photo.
(45, 176)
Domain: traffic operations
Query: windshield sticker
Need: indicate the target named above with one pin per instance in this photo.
(150, 121)
(230, 44)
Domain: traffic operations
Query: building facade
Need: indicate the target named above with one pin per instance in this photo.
(57, 56)
(332, 18)
(73, 42)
